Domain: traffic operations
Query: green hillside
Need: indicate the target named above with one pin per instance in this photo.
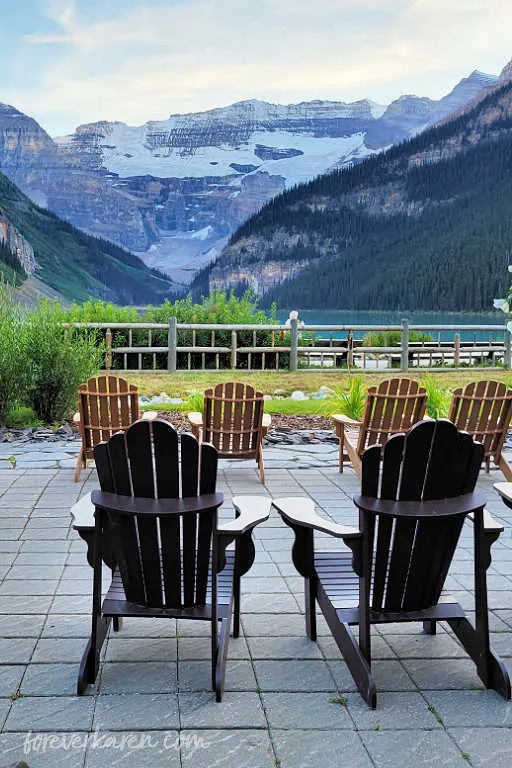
(76, 264)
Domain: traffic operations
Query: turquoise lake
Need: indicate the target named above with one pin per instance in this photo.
(458, 319)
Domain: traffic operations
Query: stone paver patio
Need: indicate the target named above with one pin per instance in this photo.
(288, 702)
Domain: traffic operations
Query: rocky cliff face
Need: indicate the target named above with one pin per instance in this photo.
(20, 247)
(173, 191)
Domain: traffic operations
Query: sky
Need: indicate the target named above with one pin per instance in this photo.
(69, 62)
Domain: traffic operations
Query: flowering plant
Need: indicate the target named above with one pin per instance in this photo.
(505, 304)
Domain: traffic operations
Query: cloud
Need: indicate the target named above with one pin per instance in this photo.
(154, 58)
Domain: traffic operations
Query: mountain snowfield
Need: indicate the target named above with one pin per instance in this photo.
(173, 191)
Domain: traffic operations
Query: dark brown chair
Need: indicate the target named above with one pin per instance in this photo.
(156, 527)
(392, 407)
(417, 491)
(106, 405)
(233, 421)
(484, 409)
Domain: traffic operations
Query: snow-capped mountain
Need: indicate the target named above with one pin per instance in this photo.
(174, 190)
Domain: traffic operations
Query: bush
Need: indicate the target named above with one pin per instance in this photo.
(438, 399)
(18, 416)
(393, 338)
(60, 361)
(14, 365)
(350, 401)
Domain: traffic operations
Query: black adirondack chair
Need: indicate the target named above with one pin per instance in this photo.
(156, 527)
(417, 491)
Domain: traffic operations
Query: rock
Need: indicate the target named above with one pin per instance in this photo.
(279, 393)
(325, 390)
(298, 395)
(267, 397)
(144, 400)
(176, 400)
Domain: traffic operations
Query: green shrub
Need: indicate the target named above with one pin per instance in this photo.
(14, 365)
(195, 401)
(18, 416)
(349, 401)
(60, 360)
(438, 399)
(393, 338)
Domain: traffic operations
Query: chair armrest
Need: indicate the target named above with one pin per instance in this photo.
(251, 510)
(300, 511)
(195, 418)
(76, 418)
(340, 418)
(505, 491)
(83, 513)
(144, 506)
(266, 421)
(431, 509)
(148, 415)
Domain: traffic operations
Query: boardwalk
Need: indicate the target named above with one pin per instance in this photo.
(288, 702)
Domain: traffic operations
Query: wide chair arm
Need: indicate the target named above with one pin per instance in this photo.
(505, 491)
(340, 418)
(250, 512)
(300, 511)
(148, 415)
(195, 418)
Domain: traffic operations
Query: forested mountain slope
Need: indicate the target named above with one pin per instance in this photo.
(425, 225)
(35, 242)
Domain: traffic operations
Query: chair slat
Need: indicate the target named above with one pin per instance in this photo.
(416, 459)
(189, 465)
(399, 561)
(440, 480)
(209, 461)
(119, 462)
(170, 533)
(149, 553)
(204, 537)
(189, 558)
(139, 446)
(167, 477)
(126, 540)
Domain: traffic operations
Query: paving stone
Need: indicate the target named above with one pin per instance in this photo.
(389, 675)
(61, 713)
(301, 675)
(150, 649)
(283, 648)
(402, 710)
(237, 710)
(309, 749)
(44, 750)
(10, 678)
(199, 648)
(57, 649)
(136, 710)
(196, 675)
(138, 677)
(485, 747)
(442, 674)
(51, 680)
(418, 748)
(62, 625)
(243, 749)
(425, 646)
(21, 626)
(471, 708)
(16, 650)
(380, 648)
(306, 710)
(133, 749)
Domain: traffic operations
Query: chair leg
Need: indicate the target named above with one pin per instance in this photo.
(310, 600)
(341, 437)
(430, 627)
(356, 662)
(90, 663)
(261, 465)
(236, 606)
(222, 655)
(505, 468)
(490, 668)
(80, 464)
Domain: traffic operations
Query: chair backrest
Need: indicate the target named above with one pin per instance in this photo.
(106, 405)
(484, 409)
(394, 406)
(411, 556)
(163, 558)
(233, 414)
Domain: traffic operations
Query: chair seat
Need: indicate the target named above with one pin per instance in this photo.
(341, 587)
(116, 604)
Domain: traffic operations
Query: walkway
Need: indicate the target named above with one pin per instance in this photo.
(288, 702)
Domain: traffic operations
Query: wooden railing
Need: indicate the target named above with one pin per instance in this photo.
(172, 346)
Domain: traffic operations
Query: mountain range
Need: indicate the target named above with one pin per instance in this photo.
(426, 224)
(174, 191)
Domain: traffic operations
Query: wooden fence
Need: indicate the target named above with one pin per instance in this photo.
(172, 346)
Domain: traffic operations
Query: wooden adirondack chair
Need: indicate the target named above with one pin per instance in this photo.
(156, 527)
(484, 409)
(233, 421)
(106, 405)
(392, 407)
(417, 491)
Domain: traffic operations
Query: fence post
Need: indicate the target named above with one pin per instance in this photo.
(233, 350)
(294, 339)
(456, 350)
(405, 345)
(172, 342)
(507, 359)
(108, 350)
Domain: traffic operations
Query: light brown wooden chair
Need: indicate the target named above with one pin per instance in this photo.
(106, 405)
(484, 409)
(233, 421)
(392, 407)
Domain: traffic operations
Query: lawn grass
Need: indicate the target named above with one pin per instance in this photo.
(177, 384)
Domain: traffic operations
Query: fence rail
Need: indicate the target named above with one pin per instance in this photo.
(173, 346)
